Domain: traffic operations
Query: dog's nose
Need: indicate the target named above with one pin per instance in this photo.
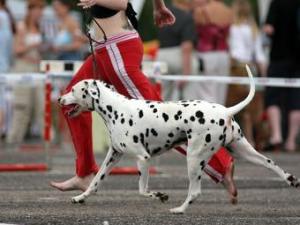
(61, 101)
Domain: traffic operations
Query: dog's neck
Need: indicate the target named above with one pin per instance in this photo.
(108, 100)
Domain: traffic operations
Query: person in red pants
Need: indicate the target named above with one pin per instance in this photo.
(119, 60)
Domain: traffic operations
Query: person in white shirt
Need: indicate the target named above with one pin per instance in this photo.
(245, 47)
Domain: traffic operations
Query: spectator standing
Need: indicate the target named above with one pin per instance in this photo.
(213, 19)
(7, 28)
(27, 98)
(177, 48)
(69, 39)
(282, 26)
(245, 47)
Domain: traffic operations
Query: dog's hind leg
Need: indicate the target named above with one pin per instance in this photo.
(143, 167)
(243, 148)
(110, 160)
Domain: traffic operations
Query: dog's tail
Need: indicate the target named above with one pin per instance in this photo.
(237, 108)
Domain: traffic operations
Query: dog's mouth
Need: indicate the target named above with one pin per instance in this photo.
(74, 110)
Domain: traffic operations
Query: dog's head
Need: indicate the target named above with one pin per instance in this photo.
(82, 97)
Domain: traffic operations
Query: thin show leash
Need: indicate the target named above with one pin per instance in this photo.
(88, 19)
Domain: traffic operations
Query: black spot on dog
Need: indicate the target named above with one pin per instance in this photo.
(109, 108)
(97, 101)
(224, 130)
(152, 106)
(142, 138)
(130, 122)
(167, 146)
(102, 176)
(189, 136)
(269, 161)
(171, 135)
(147, 132)
(199, 177)
(185, 105)
(156, 150)
(126, 133)
(154, 110)
(208, 138)
(177, 128)
(185, 121)
(221, 137)
(165, 116)
(154, 132)
(109, 116)
(139, 172)
(168, 141)
(192, 118)
(212, 149)
(232, 128)
(199, 114)
(176, 117)
(212, 121)
(148, 102)
(190, 202)
(221, 122)
(122, 120)
(141, 114)
(179, 113)
(201, 121)
(202, 164)
(135, 139)
(83, 96)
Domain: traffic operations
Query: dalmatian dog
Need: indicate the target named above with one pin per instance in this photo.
(148, 128)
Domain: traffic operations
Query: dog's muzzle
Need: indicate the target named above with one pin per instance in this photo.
(61, 101)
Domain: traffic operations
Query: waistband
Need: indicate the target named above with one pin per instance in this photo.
(118, 38)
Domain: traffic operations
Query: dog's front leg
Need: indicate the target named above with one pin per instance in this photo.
(143, 166)
(110, 160)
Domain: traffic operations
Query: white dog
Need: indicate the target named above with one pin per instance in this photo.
(148, 128)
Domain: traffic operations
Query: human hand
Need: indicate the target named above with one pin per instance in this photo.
(163, 16)
(87, 3)
(268, 29)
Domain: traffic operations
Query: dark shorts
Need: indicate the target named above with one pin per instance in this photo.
(289, 98)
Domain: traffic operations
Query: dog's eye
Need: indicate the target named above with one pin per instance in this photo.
(72, 90)
(82, 89)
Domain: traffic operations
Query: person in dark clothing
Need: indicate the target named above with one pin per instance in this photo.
(282, 26)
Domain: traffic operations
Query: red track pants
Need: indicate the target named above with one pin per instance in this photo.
(118, 63)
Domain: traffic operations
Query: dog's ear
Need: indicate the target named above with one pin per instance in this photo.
(93, 90)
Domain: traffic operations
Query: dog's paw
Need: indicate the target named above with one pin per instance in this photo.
(78, 199)
(177, 210)
(293, 181)
(163, 197)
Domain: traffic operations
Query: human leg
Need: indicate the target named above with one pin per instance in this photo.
(85, 162)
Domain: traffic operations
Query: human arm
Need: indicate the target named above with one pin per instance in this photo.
(78, 39)
(162, 15)
(111, 4)
(272, 17)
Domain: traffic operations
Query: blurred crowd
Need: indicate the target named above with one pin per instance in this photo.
(209, 38)
(213, 39)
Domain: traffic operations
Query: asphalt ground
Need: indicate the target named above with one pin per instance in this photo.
(26, 197)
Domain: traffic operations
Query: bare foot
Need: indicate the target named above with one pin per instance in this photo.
(74, 183)
(229, 184)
